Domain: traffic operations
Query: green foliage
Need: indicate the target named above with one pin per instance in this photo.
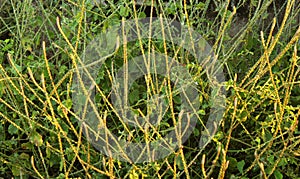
(40, 135)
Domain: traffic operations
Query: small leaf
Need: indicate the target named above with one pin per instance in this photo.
(133, 96)
(124, 11)
(283, 161)
(16, 170)
(142, 15)
(196, 132)
(36, 139)
(200, 6)
(240, 165)
(27, 146)
(271, 159)
(61, 164)
(68, 103)
(278, 175)
(177, 99)
(201, 112)
(12, 129)
(179, 162)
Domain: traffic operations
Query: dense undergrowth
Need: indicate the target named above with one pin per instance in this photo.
(257, 43)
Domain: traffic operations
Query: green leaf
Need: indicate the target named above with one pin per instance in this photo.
(254, 3)
(200, 6)
(233, 162)
(36, 139)
(278, 175)
(68, 103)
(271, 159)
(124, 12)
(267, 136)
(196, 132)
(240, 165)
(61, 176)
(24, 158)
(283, 161)
(12, 129)
(61, 164)
(16, 170)
(177, 99)
(179, 162)
(201, 112)
(133, 96)
(142, 15)
(27, 145)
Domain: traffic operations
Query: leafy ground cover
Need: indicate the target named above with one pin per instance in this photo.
(256, 41)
